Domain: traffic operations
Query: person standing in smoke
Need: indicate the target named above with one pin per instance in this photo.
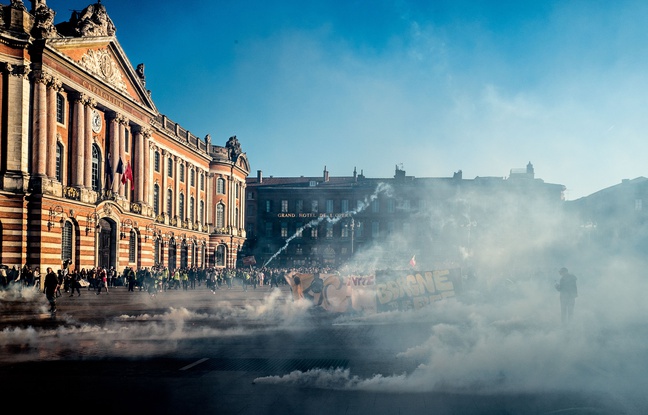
(51, 285)
(568, 293)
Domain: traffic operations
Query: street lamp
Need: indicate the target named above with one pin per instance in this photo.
(125, 223)
(53, 213)
(93, 219)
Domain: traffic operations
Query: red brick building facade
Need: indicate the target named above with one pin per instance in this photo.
(90, 171)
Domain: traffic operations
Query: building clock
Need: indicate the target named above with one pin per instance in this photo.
(96, 121)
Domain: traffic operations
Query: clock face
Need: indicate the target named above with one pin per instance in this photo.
(96, 121)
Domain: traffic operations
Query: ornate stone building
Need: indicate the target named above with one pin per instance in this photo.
(90, 171)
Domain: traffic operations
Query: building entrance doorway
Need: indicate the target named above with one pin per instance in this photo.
(106, 249)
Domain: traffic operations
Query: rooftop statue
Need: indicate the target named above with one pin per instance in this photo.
(91, 21)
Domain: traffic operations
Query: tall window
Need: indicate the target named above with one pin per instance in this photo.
(181, 206)
(66, 241)
(329, 230)
(329, 205)
(314, 232)
(220, 256)
(192, 177)
(156, 161)
(220, 186)
(127, 140)
(220, 215)
(268, 206)
(96, 178)
(299, 206)
(201, 211)
(202, 181)
(375, 229)
(170, 167)
(344, 205)
(169, 206)
(181, 172)
(314, 206)
(375, 206)
(60, 109)
(132, 242)
(284, 206)
(390, 205)
(59, 162)
(284, 230)
(156, 199)
(191, 209)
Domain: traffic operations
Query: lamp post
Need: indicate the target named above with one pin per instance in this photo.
(53, 213)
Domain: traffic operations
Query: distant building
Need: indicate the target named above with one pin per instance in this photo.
(90, 171)
(614, 219)
(327, 220)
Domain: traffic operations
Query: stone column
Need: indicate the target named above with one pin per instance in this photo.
(39, 160)
(163, 189)
(114, 150)
(52, 91)
(78, 140)
(87, 165)
(176, 186)
(146, 173)
(16, 150)
(209, 191)
(242, 201)
(123, 122)
(140, 164)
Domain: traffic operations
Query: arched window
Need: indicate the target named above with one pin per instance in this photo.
(169, 206)
(132, 243)
(156, 253)
(191, 209)
(220, 215)
(60, 108)
(181, 206)
(181, 172)
(220, 186)
(59, 162)
(156, 161)
(220, 255)
(96, 175)
(156, 199)
(66, 241)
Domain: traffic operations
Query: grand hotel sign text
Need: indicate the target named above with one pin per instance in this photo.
(313, 215)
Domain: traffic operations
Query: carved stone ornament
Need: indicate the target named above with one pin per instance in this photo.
(101, 63)
(93, 21)
(44, 22)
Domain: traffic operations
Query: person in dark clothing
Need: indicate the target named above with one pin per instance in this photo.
(568, 293)
(51, 285)
(75, 283)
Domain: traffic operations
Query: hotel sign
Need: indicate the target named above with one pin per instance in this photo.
(313, 215)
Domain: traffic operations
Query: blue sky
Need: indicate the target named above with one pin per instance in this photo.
(434, 86)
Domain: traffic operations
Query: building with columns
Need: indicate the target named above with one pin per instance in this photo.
(90, 171)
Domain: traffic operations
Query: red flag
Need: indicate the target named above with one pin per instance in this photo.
(413, 261)
(128, 175)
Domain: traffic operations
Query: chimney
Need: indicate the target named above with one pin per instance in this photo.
(326, 175)
(259, 176)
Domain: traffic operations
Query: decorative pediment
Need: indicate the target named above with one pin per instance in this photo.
(101, 63)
